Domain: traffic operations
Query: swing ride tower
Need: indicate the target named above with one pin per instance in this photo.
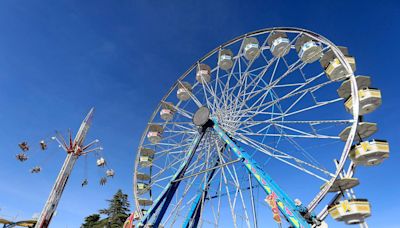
(74, 149)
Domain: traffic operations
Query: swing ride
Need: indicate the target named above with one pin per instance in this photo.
(248, 121)
(74, 148)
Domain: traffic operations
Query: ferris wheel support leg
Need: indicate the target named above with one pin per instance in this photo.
(166, 196)
(285, 204)
(252, 201)
(364, 225)
(193, 217)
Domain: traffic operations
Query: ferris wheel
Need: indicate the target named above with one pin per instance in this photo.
(272, 114)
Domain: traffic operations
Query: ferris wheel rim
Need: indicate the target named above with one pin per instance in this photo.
(355, 111)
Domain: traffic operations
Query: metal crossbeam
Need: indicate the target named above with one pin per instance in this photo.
(209, 169)
(193, 217)
(166, 196)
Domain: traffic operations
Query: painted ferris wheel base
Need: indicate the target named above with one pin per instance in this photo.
(285, 203)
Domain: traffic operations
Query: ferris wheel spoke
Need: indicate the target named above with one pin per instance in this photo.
(203, 165)
(248, 71)
(195, 167)
(188, 127)
(284, 157)
(301, 134)
(214, 212)
(209, 104)
(178, 123)
(295, 102)
(157, 166)
(289, 85)
(219, 199)
(274, 71)
(224, 180)
(320, 104)
(297, 90)
(252, 123)
(231, 90)
(296, 65)
(174, 147)
(270, 104)
(155, 179)
(174, 143)
(237, 58)
(177, 132)
(304, 121)
(225, 91)
(222, 99)
(212, 99)
(219, 99)
(247, 128)
(160, 179)
(265, 106)
(182, 112)
(235, 99)
(167, 165)
(219, 86)
(169, 177)
(164, 141)
(239, 189)
(229, 197)
(304, 152)
(179, 138)
(198, 165)
(177, 208)
(306, 133)
(238, 195)
(258, 69)
(258, 78)
(194, 98)
(263, 55)
(244, 75)
(252, 200)
(311, 92)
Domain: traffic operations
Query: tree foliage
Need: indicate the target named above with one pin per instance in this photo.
(118, 209)
(91, 221)
(116, 213)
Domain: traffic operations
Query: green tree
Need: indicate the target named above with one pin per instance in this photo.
(116, 213)
(118, 209)
(91, 221)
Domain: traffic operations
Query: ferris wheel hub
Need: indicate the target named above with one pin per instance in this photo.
(201, 116)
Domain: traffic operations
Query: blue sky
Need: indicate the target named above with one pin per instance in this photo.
(59, 58)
